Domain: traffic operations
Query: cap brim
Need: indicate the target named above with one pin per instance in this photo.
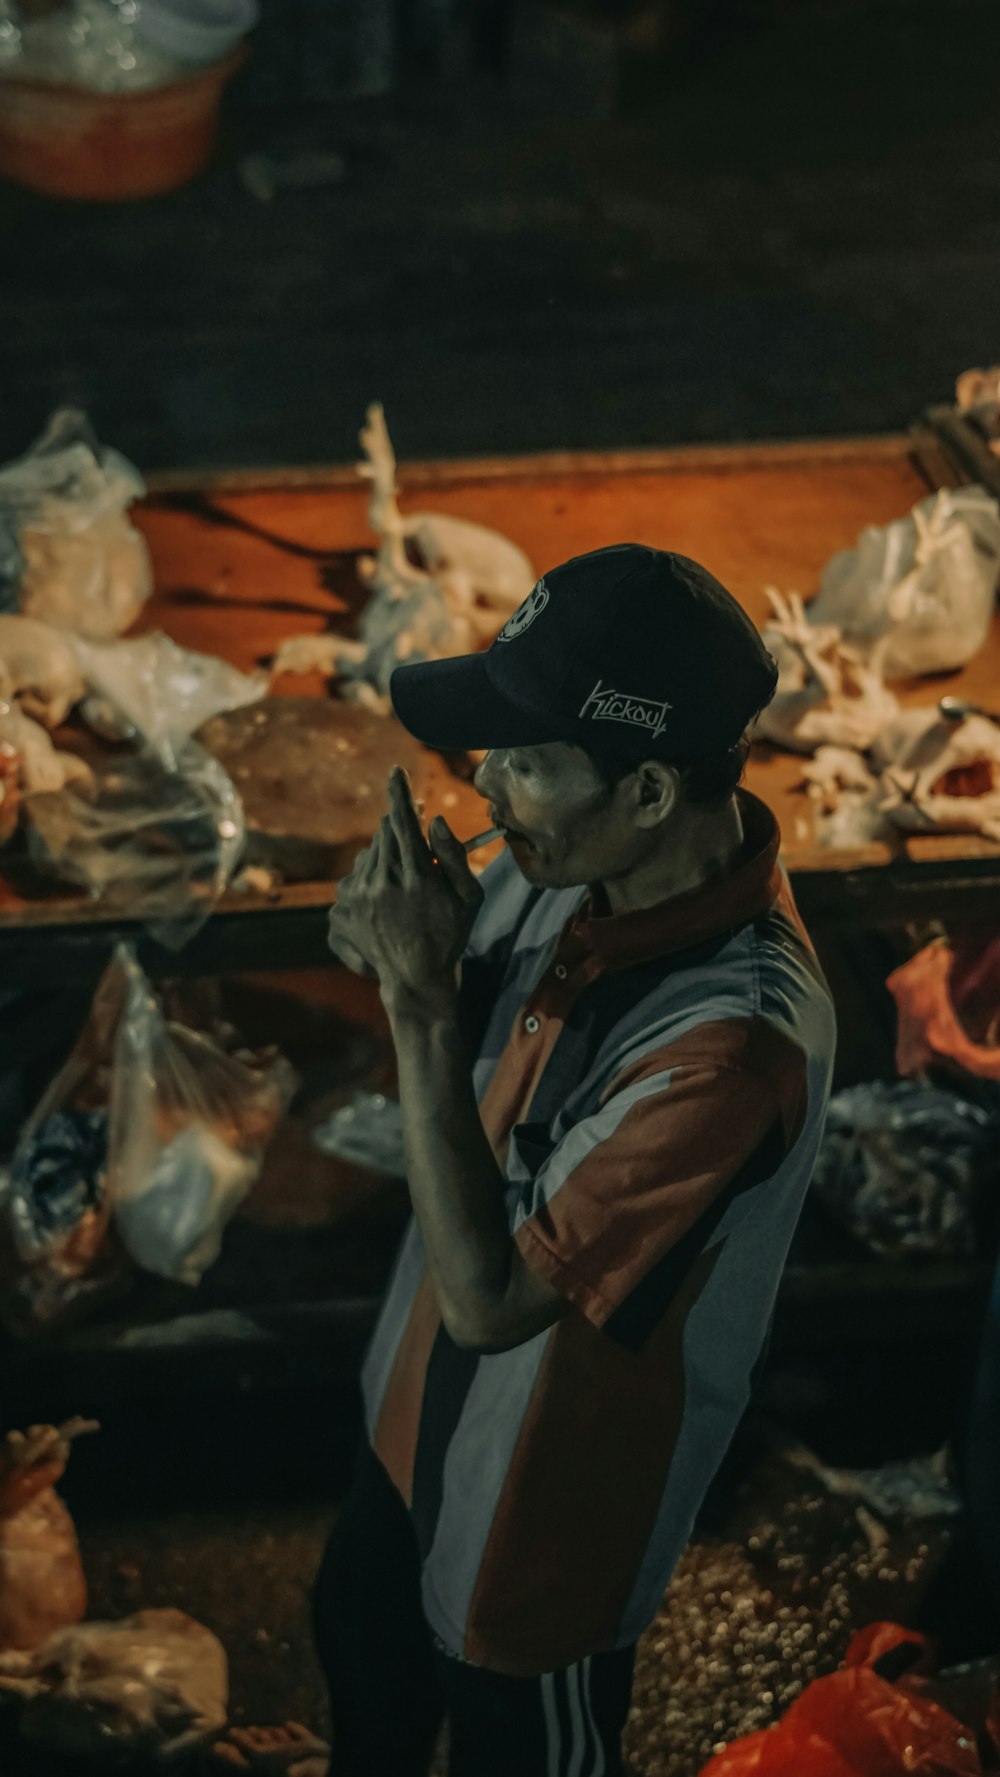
(453, 705)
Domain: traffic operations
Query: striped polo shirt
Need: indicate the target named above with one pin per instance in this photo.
(654, 1086)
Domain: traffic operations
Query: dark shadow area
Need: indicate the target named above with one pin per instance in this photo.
(788, 227)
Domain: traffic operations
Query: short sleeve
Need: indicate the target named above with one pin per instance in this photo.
(647, 1175)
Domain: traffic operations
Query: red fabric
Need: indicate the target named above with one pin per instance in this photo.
(610, 1218)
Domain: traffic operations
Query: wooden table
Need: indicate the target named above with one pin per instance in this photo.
(242, 561)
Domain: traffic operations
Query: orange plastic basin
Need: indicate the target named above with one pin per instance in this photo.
(110, 146)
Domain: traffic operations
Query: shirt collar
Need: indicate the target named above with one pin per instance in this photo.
(750, 888)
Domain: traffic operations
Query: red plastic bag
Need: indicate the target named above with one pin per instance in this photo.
(741, 1759)
(871, 1644)
(855, 1723)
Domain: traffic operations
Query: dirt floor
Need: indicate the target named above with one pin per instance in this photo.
(766, 1598)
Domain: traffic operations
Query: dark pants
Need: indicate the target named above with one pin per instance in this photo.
(391, 1684)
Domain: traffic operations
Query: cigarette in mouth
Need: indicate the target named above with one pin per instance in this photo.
(479, 839)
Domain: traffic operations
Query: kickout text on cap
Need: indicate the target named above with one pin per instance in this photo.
(607, 705)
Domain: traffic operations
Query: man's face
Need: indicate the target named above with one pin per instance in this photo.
(562, 825)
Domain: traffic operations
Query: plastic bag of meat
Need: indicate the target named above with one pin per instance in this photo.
(139, 1153)
(188, 1125)
(143, 1692)
(148, 841)
(68, 553)
(59, 1257)
(150, 687)
(902, 1165)
(926, 581)
(42, 1584)
(156, 833)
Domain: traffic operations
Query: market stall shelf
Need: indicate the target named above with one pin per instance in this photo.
(240, 560)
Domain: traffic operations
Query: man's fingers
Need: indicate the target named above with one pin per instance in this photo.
(359, 874)
(450, 854)
(414, 851)
(389, 865)
(367, 865)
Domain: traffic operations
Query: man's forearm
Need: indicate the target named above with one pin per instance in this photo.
(456, 1186)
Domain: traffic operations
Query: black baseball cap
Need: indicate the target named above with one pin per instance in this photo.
(630, 652)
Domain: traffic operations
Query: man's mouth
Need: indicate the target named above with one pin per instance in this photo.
(509, 833)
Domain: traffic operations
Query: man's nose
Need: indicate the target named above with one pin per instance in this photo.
(484, 776)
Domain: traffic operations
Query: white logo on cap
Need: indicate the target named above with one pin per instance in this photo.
(525, 614)
(606, 705)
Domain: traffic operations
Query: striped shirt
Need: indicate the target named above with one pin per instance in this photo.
(654, 1086)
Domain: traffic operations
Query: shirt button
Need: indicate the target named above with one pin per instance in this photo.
(531, 1024)
(561, 971)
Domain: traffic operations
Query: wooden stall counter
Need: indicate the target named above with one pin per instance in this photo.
(244, 561)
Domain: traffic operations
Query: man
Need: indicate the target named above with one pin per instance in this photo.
(614, 1059)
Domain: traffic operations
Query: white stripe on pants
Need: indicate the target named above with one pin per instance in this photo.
(581, 1755)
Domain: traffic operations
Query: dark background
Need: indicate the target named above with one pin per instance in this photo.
(586, 226)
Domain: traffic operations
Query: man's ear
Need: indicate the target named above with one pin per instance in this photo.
(659, 789)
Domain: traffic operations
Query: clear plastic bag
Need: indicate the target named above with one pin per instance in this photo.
(928, 578)
(10, 39)
(153, 843)
(152, 688)
(142, 1694)
(157, 833)
(187, 1132)
(94, 44)
(368, 1131)
(60, 1256)
(68, 553)
(139, 1153)
(902, 1163)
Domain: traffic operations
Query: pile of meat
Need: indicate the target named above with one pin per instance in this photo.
(912, 598)
(209, 775)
